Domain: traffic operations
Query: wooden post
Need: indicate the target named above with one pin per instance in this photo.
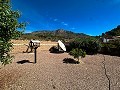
(35, 55)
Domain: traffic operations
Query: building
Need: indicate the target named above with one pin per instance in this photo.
(107, 39)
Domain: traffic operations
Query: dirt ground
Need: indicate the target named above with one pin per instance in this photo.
(22, 45)
(59, 71)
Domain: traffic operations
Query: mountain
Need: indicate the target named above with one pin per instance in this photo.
(113, 32)
(54, 35)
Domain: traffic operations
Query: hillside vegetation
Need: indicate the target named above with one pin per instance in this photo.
(113, 32)
(54, 35)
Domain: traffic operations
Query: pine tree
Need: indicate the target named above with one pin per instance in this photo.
(76, 53)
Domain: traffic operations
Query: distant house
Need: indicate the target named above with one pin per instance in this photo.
(117, 37)
(105, 40)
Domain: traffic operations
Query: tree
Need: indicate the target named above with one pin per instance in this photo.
(8, 30)
(76, 53)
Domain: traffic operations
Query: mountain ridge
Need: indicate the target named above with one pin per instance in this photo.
(113, 32)
(54, 34)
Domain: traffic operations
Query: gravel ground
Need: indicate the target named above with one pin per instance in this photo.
(99, 72)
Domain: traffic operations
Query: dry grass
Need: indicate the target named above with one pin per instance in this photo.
(44, 45)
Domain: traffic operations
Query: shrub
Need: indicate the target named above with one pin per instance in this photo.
(89, 45)
(111, 48)
(53, 49)
(76, 53)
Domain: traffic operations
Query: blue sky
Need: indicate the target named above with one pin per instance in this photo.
(92, 17)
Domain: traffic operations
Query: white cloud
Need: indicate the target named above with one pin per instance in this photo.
(55, 20)
(73, 28)
(65, 24)
(62, 22)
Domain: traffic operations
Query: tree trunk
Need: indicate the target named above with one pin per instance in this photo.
(80, 61)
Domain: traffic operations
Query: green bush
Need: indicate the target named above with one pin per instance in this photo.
(89, 45)
(76, 53)
(111, 48)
